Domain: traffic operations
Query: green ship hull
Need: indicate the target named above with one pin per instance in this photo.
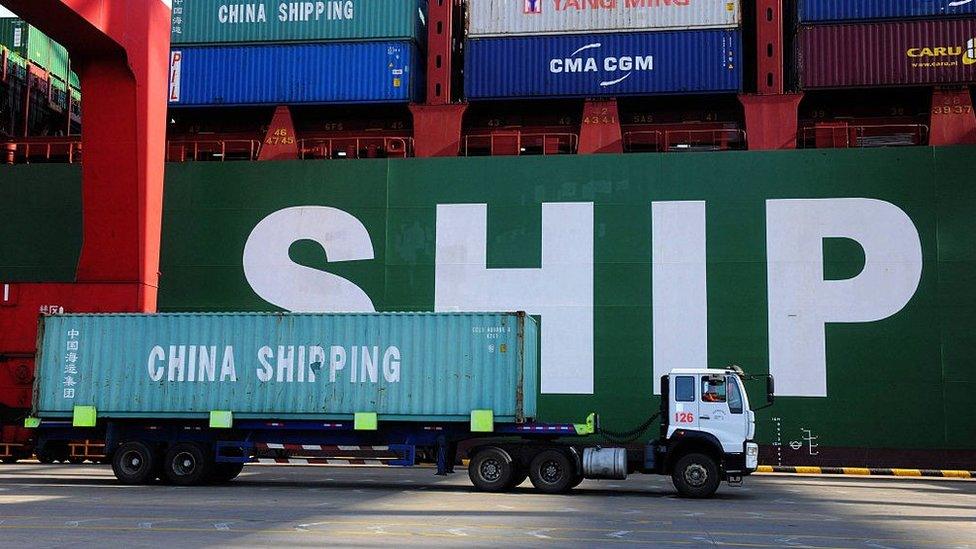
(851, 275)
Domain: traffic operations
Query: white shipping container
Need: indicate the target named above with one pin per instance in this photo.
(530, 17)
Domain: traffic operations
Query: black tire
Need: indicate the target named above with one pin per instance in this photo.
(134, 463)
(696, 476)
(491, 470)
(552, 472)
(225, 472)
(186, 464)
(519, 475)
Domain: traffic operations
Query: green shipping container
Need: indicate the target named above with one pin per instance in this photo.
(34, 45)
(218, 21)
(401, 366)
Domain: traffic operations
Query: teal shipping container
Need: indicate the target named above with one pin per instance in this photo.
(218, 21)
(402, 366)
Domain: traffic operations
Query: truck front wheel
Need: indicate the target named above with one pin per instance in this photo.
(186, 464)
(134, 463)
(695, 476)
(491, 470)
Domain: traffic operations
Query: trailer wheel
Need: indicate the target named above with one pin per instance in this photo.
(695, 476)
(134, 463)
(552, 472)
(491, 470)
(225, 472)
(186, 464)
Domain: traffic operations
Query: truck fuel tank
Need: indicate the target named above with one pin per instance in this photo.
(605, 463)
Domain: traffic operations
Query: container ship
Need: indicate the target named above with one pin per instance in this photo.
(780, 185)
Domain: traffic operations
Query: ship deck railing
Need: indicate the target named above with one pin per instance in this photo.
(515, 142)
(840, 135)
(684, 140)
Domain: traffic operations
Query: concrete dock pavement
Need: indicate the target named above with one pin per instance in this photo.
(54, 506)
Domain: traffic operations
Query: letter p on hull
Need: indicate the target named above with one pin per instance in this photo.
(802, 302)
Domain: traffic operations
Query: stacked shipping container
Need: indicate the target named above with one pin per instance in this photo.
(268, 52)
(588, 48)
(35, 61)
(885, 43)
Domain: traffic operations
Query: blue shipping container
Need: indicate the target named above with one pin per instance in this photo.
(591, 65)
(362, 72)
(401, 366)
(815, 11)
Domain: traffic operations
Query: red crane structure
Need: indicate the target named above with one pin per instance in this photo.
(121, 53)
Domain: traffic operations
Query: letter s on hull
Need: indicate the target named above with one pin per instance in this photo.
(801, 302)
(293, 287)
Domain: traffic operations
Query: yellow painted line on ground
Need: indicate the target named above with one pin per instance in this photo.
(764, 469)
(856, 471)
(906, 472)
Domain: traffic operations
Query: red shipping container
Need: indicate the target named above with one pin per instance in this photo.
(907, 53)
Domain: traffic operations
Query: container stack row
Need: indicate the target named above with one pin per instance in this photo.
(885, 43)
(605, 48)
(36, 65)
(270, 53)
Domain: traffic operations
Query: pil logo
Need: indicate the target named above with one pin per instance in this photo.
(532, 6)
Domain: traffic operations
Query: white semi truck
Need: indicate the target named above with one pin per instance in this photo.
(706, 436)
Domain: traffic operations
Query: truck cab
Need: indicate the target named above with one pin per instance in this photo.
(707, 429)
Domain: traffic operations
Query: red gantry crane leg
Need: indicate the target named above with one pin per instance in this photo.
(771, 115)
(120, 50)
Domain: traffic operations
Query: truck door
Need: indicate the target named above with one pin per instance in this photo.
(684, 395)
(716, 416)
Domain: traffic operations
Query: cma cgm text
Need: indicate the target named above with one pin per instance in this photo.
(610, 64)
(255, 12)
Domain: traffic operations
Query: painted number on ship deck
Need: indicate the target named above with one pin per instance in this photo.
(958, 109)
(280, 137)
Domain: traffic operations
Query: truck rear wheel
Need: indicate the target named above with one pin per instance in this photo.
(491, 470)
(186, 464)
(696, 476)
(552, 472)
(134, 463)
